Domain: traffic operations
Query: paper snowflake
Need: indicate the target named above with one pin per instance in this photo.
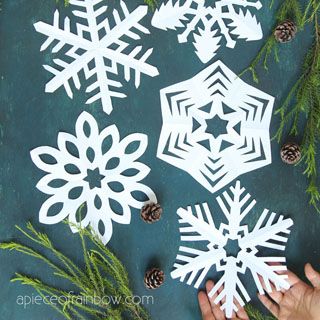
(215, 127)
(97, 49)
(269, 232)
(96, 169)
(227, 19)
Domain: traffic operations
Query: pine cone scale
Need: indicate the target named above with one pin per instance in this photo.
(290, 153)
(285, 31)
(151, 212)
(154, 278)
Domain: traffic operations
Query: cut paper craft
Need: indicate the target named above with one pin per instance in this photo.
(193, 112)
(98, 47)
(232, 248)
(210, 26)
(95, 169)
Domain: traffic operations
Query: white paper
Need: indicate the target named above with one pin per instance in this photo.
(190, 106)
(212, 26)
(110, 163)
(197, 224)
(106, 48)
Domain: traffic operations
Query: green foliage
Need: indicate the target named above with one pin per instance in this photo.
(151, 3)
(255, 314)
(102, 275)
(303, 100)
(289, 9)
(66, 2)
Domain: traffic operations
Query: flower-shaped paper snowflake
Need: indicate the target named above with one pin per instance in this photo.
(97, 48)
(96, 169)
(215, 127)
(270, 232)
(226, 19)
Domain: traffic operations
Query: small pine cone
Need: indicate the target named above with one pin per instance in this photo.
(154, 278)
(285, 31)
(290, 153)
(151, 212)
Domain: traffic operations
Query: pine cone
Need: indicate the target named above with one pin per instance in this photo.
(285, 31)
(154, 278)
(151, 212)
(290, 153)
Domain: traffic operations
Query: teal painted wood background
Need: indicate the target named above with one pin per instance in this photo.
(30, 118)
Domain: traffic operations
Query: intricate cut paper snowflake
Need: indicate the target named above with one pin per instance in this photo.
(192, 112)
(96, 169)
(96, 49)
(208, 25)
(269, 232)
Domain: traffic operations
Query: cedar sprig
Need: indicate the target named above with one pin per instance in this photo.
(102, 275)
(302, 104)
(288, 9)
(255, 314)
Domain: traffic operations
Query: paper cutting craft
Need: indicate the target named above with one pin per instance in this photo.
(194, 110)
(99, 48)
(95, 169)
(232, 248)
(210, 26)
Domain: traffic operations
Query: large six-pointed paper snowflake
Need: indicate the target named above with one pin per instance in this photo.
(194, 110)
(97, 49)
(96, 169)
(209, 24)
(270, 232)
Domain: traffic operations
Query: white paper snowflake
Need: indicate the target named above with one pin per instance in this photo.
(97, 49)
(194, 110)
(209, 24)
(96, 169)
(269, 232)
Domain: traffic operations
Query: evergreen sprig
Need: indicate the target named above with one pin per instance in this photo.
(288, 9)
(303, 98)
(255, 314)
(103, 275)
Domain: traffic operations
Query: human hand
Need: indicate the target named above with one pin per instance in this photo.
(300, 302)
(212, 311)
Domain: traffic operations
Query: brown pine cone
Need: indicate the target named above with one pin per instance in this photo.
(285, 31)
(154, 278)
(151, 212)
(290, 153)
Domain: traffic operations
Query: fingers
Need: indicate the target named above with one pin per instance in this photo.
(312, 275)
(217, 312)
(272, 307)
(292, 278)
(205, 306)
(275, 295)
(241, 314)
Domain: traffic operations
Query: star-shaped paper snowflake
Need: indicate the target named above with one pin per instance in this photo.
(95, 169)
(226, 19)
(97, 49)
(270, 231)
(193, 110)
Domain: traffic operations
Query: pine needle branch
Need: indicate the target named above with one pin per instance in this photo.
(255, 314)
(288, 9)
(303, 100)
(102, 275)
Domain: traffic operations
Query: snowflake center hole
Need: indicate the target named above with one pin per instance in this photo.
(216, 126)
(232, 248)
(94, 178)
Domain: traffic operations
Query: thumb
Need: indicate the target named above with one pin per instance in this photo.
(312, 275)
